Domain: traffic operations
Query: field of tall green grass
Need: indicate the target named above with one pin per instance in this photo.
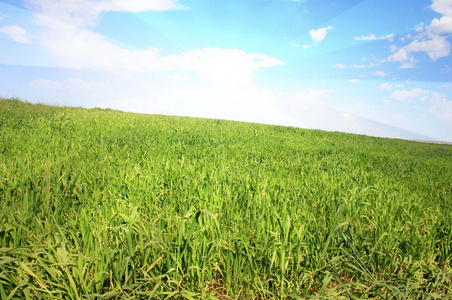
(102, 204)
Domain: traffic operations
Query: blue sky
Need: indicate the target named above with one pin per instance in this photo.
(380, 68)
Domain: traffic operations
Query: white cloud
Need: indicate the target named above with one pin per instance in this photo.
(442, 25)
(319, 34)
(73, 47)
(389, 37)
(304, 47)
(385, 86)
(84, 13)
(441, 107)
(306, 100)
(223, 67)
(179, 76)
(404, 57)
(381, 73)
(407, 65)
(82, 48)
(438, 103)
(408, 95)
(388, 86)
(293, 44)
(401, 55)
(431, 39)
(370, 37)
(434, 45)
(339, 66)
(443, 7)
(72, 44)
(16, 33)
(356, 66)
(354, 80)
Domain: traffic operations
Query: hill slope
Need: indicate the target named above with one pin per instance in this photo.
(101, 203)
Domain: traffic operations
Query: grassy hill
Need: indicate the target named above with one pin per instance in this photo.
(102, 204)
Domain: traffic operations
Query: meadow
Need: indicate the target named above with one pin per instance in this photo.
(102, 204)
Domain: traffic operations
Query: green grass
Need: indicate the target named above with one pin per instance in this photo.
(101, 204)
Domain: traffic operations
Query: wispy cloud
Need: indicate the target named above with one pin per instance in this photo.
(354, 66)
(304, 47)
(381, 73)
(361, 66)
(84, 13)
(388, 86)
(16, 33)
(295, 45)
(408, 95)
(339, 66)
(385, 86)
(389, 37)
(372, 37)
(439, 105)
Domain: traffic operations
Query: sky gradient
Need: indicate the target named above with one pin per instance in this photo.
(380, 68)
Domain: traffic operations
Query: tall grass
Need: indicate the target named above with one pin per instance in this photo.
(101, 204)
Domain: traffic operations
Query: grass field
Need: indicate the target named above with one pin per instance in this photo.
(101, 204)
